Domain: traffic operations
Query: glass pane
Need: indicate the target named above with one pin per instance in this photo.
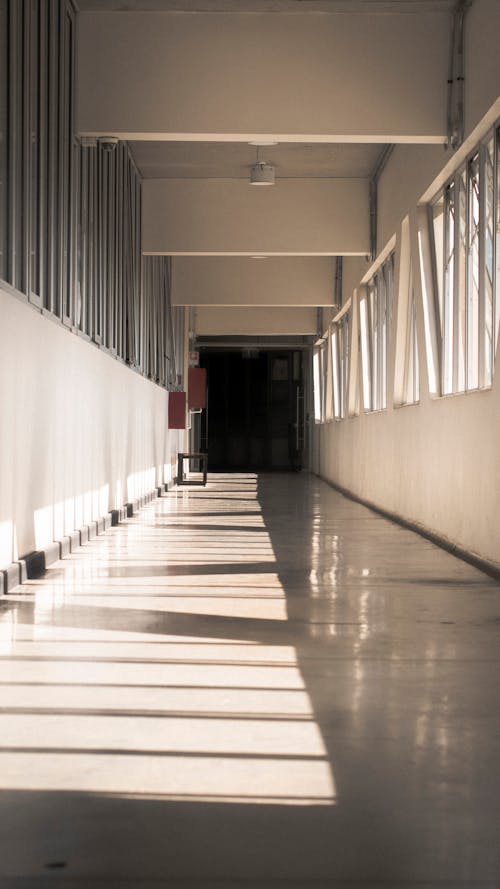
(438, 211)
(415, 368)
(497, 239)
(386, 297)
(365, 353)
(34, 34)
(375, 340)
(382, 356)
(461, 285)
(336, 373)
(472, 312)
(317, 386)
(411, 382)
(344, 340)
(449, 288)
(489, 228)
(69, 184)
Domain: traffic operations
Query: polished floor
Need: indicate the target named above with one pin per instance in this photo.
(254, 685)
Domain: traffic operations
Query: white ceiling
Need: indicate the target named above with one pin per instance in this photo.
(213, 160)
(224, 160)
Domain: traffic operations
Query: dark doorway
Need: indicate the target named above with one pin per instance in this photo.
(255, 409)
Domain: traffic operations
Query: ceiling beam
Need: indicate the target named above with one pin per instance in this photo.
(230, 77)
(273, 321)
(242, 281)
(301, 217)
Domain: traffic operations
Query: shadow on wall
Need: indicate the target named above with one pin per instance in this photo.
(57, 520)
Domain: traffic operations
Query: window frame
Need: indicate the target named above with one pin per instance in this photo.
(464, 247)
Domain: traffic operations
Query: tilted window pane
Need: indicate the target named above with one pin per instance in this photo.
(438, 231)
(472, 309)
(365, 353)
(449, 288)
(343, 335)
(317, 385)
(497, 237)
(461, 244)
(489, 261)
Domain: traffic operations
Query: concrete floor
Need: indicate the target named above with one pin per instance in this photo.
(257, 684)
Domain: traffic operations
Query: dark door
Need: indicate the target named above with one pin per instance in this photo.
(252, 409)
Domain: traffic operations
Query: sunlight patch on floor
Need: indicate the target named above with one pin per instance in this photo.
(99, 694)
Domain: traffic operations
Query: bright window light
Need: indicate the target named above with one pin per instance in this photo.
(317, 385)
(365, 353)
(431, 370)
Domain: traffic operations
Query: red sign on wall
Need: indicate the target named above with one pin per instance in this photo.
(197, 387)
(176, 410)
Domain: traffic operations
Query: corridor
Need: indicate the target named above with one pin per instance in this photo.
(256, 684)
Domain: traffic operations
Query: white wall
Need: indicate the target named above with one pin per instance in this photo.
(410, 170)
(242, 281)
(436, 464)
(366, 77)
(353, 269)
(79, 431)
(224, 216)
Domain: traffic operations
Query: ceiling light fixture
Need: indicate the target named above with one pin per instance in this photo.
(261, 173)
(264, 143)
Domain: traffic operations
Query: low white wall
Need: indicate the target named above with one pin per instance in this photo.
(436, 464)
(80, 433)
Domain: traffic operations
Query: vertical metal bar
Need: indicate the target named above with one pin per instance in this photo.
(107, 308)
(74, 159)
(25, 149)
(53, 105)
(128, 262)
(63, 185)
(120, 346)
(13, 136)
(101, 205)
(42, 153)
(31, 103)
(136, 246)
(91, 241)
(82, 240)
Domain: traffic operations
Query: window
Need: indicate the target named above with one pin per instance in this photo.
(411, 385)
(375, 319)
(465, 219)
(70, 213)
(329, 376)
(319, 383)
(340, 365)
